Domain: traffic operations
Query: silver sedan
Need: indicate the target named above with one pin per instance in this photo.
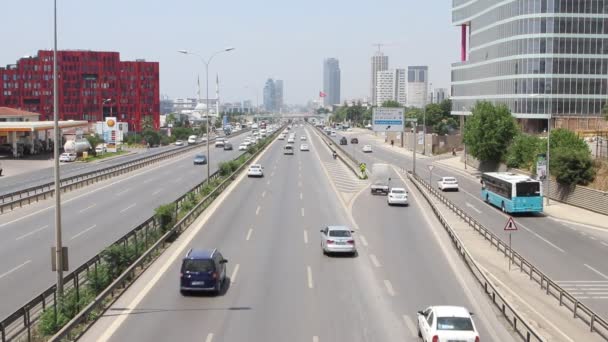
(338, 239)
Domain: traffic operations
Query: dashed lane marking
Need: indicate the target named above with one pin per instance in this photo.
(129, 207)
(302, 212)
(374, 260)
(309, 275)
(410, 325)
(209, 338)
(249, 234)
(14, 269)
(257, 211)
(87, 208)
(305, 236)
(363, 240)
(235, 272)
(596, 271)
(389, 288)
(84, 231)
(32, 232)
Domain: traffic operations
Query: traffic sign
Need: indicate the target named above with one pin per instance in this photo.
(387, 119)
(510, 226)
(411, 120)
(430, 167)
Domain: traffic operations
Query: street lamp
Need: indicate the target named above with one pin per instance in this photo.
(206, 63)
(423, 123)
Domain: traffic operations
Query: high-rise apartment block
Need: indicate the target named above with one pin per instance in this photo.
(417, 86)
(544, 59)
(273, 95)
(86, 79)
(331, 82)
(379, 63)
(391, 86)
(438, 95)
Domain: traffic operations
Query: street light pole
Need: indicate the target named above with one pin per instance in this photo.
(548, 157)
(207, 62)
(58, 237)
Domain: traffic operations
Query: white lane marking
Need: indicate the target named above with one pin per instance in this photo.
(410, 325)
(593, 238)
(263, 194)
(148, 180)
(87, 208)
(309, 275)
(249, 234)
(157, 191)
(257, 211)
(302, 212)
(473, 207)
(301, 195)
(32, 232)
(363, 240)
(129, 207)
(542, 238)
(268, 183)
(82, 232)
(122, 192)
(272, 174)
(234, 274)
(300, 184)
(605, 244)
(375, 260)
(389, 288)
(209, 338)
(177, 180)
(596, 271)
(14, 269)
(305, 236)
(315, 339)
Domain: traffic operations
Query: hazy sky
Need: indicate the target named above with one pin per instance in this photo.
(282, 39)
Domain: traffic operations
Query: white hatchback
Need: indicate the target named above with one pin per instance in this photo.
(367, 148)
(304, 147)
(446, 323)
(447, 183)
(255, 170)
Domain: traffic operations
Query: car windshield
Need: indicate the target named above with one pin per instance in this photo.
(339, 233)
(203, 265)
(454, 323)
(398, 191)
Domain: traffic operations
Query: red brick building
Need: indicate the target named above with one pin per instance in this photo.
(86, 78)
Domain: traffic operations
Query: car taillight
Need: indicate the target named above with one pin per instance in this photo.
(352, 242)
(329, 241)
(435, 338)
(476, 338)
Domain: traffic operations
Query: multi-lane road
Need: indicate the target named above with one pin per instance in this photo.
(282, 287)
(571, 254)
(92, 218)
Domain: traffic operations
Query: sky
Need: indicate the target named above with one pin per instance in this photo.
(281, 39)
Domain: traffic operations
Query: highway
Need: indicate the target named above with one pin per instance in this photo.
(282, 287)
(93, 217)
(571, 254)
(43, 176)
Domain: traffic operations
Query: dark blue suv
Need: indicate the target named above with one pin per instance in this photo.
(203, 270)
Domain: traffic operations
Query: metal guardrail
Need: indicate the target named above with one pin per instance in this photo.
(579, 310)
(20, 324)
(86, 315)
(349, 160)
(26, 196)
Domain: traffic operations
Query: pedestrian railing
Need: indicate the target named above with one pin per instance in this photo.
(579, 310)
(29, 195)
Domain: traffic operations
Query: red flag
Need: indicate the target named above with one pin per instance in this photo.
(322, 94)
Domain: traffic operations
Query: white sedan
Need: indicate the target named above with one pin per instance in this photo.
(255, 170)
(67, 157)
(397, 196)
(446, 323)
(243, 147)
(304, 147)
(447, 183)
(367, 148)
(303, 138)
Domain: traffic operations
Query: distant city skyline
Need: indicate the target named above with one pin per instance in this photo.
(331, 81)
(285, 43)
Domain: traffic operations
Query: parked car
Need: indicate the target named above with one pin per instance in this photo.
(397, 196)
(446, 323)
(227, 146)
(203, 270)
(67, 157)
(447, 183)
(354, 141)
(200, 159)
(367, 148)
(343, 141)
(338, 239)
(255, 170)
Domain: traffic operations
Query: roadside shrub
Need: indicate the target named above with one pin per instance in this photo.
(572, 166)
(225, 168)
(117, 258)
(522, 152)
(50, 323)
(98, 281)
(166, 215)
(189, 203)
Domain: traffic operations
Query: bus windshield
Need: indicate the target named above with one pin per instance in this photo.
(528, 189)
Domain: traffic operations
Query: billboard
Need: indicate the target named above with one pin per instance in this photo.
(387, 119)
(110, 135)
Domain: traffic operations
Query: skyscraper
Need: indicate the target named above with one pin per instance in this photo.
(331, 82)
(417, 86)
(278, 95)
(391, 86)
(379, 63)
(542, 59)
(273, 95)
(439, 94)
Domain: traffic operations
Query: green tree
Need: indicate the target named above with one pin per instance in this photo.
(171, 119)
(489, 131)
(523, 151)
(94, 140)
(151, 137)
(563, 138)
(572, 166)
(391, 104)
(147, 123)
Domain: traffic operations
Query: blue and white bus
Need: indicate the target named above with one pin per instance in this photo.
(511, 192)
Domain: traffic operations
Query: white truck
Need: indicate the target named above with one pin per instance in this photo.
(380, 179)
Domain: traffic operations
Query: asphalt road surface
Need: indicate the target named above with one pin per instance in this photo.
(571, 254)
(92, 218)
(282, 287)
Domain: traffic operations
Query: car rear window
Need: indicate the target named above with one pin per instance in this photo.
(451, 180)
(454, 323)
(201, 265)
(339, 233)
(398, 191)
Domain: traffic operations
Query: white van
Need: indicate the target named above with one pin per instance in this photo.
(192, 140)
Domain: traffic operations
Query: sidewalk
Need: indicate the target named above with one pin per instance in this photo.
(556, 210)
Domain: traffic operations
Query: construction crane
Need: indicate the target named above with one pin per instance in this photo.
(380, 45)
